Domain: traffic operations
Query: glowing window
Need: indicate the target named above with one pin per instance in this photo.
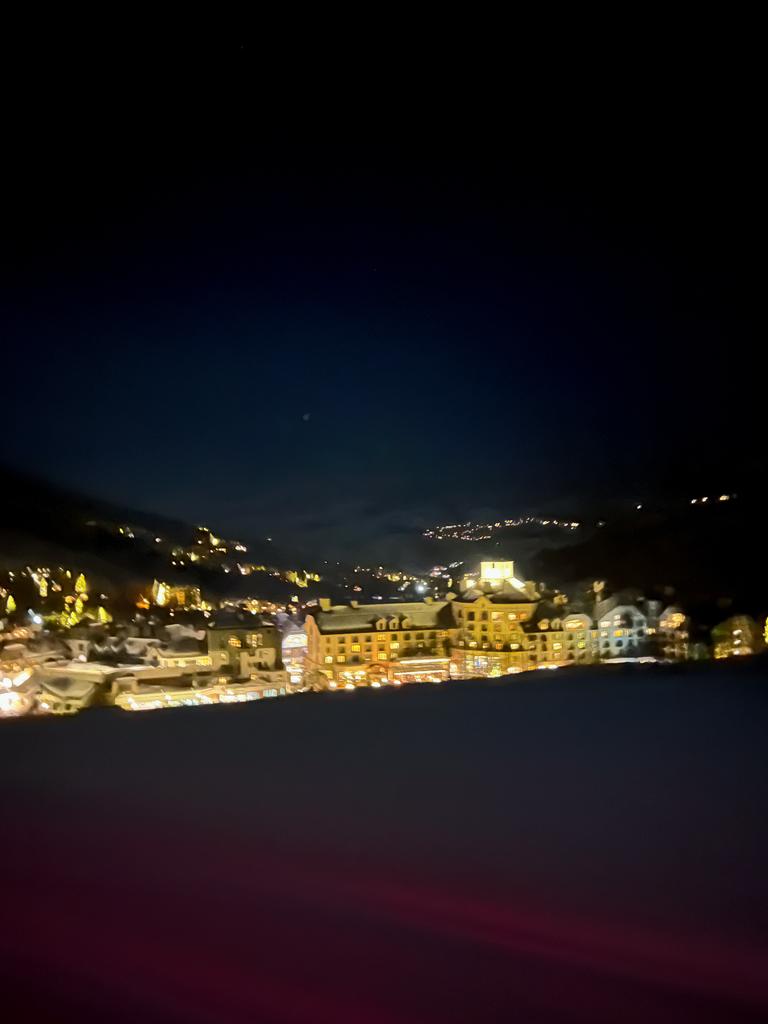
(618, 632)
(512, 616)
(341, 657)
(355, 647)
(382, 655)
(234, 641)
(395, 645)
(581, 644)
(328, 659)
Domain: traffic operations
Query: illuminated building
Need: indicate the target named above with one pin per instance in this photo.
(489, 616)
(221, 692)
(249, 645)
(14, 703)
(358, 644)
(17, 693)
(737, 637)
(672, 637)
(556, 637)
(65, 695)
(169, 595)
(186, 654)
(110, 679)
(301, 578)
(622, 628)
(294, 653)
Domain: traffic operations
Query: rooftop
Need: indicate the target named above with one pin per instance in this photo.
(419, 614)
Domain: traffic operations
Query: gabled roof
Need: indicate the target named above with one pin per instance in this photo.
(420, 615)
(229, 618)
(507, 593)
(67, 688)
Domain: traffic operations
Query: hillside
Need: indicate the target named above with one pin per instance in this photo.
(709, 557)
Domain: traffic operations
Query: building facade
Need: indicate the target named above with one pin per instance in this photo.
(245, 644)
(489, 616)
(497, 625)
(353, 645)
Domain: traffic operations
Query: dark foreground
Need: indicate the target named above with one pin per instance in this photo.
(589, 848)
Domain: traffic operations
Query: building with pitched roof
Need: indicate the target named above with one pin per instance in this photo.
(246, 644)
(354, 644)
(489, 615)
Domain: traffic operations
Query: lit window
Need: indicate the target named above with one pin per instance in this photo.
(557, 646)
(395, 645)
(328, 659)
(355, 647)
(234, 641)
(603, 632)
(495, 616)
(512, 616)
(618, 632)
(581, 644)
(382, 655)
(341, 657)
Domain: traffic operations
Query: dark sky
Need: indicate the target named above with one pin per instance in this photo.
(235, 302)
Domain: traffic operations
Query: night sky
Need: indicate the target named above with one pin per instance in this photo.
(299, 317)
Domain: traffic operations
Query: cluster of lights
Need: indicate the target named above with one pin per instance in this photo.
(13, 701)
(484, 531)
(191, 698)
(379, 572)
(707, 498)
